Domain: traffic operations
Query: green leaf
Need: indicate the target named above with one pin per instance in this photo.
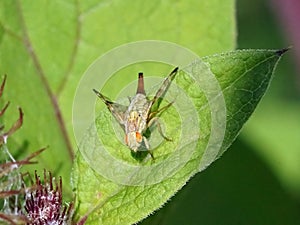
(243, 77)
(247, 85)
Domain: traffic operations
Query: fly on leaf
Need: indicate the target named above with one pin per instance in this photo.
(141, 113)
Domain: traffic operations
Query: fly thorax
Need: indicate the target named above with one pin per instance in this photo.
(137, 113)
(132, 122)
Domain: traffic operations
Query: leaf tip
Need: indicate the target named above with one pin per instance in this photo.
(280, 52)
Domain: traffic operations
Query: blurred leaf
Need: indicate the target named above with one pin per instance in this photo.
(28, 87)
(243, 76)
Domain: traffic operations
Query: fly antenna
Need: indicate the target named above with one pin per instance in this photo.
(140, 88)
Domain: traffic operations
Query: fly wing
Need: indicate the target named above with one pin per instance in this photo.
(117, 110)
(155, 102)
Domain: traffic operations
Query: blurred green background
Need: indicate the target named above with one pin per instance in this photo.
(257, 181)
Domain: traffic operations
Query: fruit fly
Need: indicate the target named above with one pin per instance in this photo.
(141, 113)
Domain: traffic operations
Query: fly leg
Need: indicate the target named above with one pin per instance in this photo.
(157, 123)
(161, 110)
(148, 147)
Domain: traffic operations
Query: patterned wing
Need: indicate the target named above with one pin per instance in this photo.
(117, 110)
(155, 102)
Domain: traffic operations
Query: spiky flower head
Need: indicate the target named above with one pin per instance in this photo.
(43, 202)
